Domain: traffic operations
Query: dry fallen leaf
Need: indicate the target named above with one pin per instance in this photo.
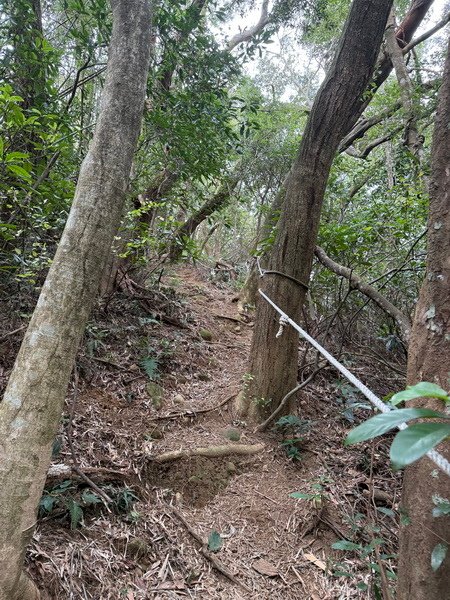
(315, 561)
(265, 568)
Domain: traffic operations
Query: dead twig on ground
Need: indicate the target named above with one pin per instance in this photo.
(210, 452)
(286, 399)
(7, 335)
(215, 562)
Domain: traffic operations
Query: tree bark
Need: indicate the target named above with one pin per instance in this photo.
(403, 322)
(215, 203)
(412, 139)
(429, 360)
(338, 105)
(33, 401)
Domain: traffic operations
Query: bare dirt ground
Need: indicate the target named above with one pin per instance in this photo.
(153, 542)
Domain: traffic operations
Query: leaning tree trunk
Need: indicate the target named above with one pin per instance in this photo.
(33, 401)
(429, 360)
(403, 35)
(338, 104)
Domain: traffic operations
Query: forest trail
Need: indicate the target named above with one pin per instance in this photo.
(274, 546)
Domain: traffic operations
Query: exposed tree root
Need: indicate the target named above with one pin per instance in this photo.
(210, 452)
(215, 562)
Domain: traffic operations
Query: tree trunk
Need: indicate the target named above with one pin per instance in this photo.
(33, 401)
(217, 202)
(429, 360)
(338, 105)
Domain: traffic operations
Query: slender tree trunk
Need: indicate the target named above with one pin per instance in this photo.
(33, 401)
(338, 105)
(403, 34)
(215, 203)
(429, 360)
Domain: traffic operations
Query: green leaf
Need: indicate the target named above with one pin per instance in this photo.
(423, 389)
(90, 498)
(11, 156)
(346, 545)
(20, 171)
(214, 541)
(438, 555)
(412, 443)
(385, 422)
(150, 366)
(386, 511)
(47, 503)
(2, 146)
(76, 513)
(442, 506)
(303, 495)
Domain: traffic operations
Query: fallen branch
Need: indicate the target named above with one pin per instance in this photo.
(193, 413)
(285, 400)
(234, 319)
(3, 338)
(63, 471)
(210, 452)
(215, 562)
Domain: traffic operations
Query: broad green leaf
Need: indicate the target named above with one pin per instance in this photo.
(346, 545)
(47, 503)
(438, 555)
(303, 495)
(214, 541)
(423, 389)
(1, 147)
(76, 513)
(20, 171)
(385, 422)
(442, 506)
(412, 443)
(11, 156)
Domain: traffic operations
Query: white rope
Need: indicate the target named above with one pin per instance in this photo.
(436, 457)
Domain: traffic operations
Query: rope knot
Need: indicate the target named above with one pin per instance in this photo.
(283, 322)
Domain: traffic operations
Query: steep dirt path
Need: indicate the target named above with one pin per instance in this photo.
(273, 546)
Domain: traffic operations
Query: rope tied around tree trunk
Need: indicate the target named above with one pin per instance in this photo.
(433, 455)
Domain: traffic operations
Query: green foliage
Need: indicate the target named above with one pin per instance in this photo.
(415, 441)
(150, 366)
(442, 506)
(214, 541)
(438, 555)
(420, 390)
(350, 400)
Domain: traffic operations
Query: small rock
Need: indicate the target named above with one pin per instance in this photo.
(137, 548)
(203, 376)
(178, 398)
(231, 468)
(233, 434)
(156, 434)
(237, 328)
(206, 335)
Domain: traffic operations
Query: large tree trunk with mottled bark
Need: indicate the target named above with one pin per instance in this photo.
(429, 360)
(338, 105)
(33, 401)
